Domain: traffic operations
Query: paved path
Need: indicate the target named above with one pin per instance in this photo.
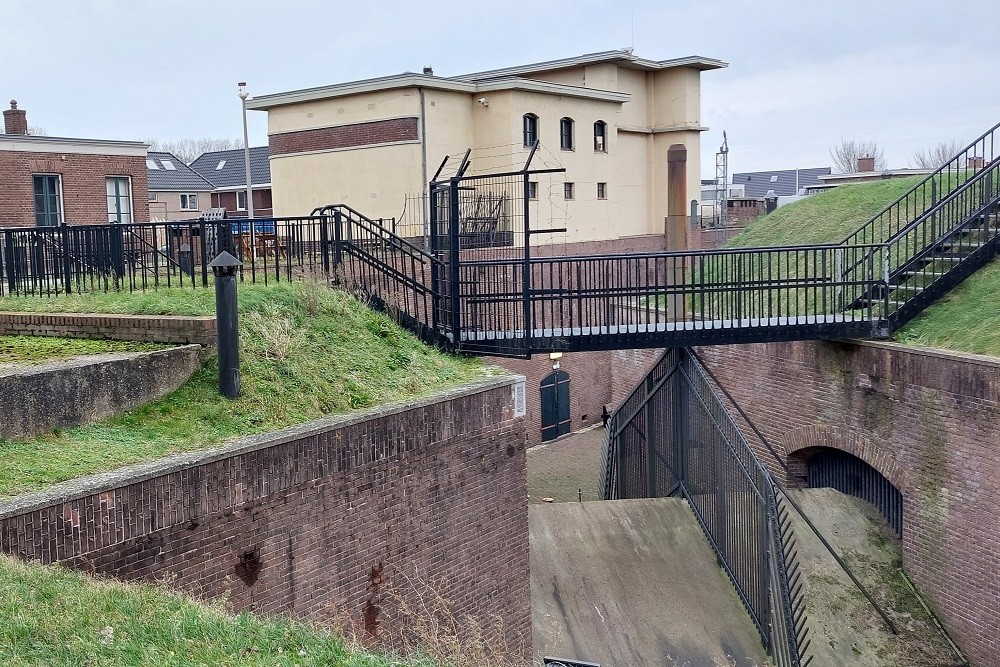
(566, 468)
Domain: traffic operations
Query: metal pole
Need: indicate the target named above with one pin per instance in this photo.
(246, 159)
(227, 329)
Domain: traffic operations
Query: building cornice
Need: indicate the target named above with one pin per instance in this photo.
(662, 129)
(622, 58)
(35, 144)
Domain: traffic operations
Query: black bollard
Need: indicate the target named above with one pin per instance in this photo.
(225, 267)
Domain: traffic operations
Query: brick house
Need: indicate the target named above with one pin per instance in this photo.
(176, 192)
(48, 181)
(226, 171)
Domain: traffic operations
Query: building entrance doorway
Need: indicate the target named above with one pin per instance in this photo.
(555, 405)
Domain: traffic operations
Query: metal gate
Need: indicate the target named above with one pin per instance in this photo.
(832, 468)
(555, 405)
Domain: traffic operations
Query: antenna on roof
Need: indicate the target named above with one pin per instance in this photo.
(721, 181)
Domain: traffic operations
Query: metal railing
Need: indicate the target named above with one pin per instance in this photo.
(148, 255)
(673, 437)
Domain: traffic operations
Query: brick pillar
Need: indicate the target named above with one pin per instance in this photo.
(15, 121)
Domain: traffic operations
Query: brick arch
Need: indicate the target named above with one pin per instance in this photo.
(801, 442)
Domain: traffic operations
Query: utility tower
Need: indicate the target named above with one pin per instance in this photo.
(721, 181)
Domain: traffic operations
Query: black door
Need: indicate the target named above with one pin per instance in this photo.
(555, 405)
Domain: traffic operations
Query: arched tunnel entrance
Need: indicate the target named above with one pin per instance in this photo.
(833, 468)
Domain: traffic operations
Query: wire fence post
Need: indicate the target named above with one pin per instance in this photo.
(454, 241)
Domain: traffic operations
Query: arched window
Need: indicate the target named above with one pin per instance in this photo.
(600, 136)
(530, 129)
(566, 134)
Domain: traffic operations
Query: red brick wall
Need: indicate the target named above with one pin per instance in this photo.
(929, 421)
(83, 187)
(262, 207)
(151, 328)
(345, 136)
(333, 512)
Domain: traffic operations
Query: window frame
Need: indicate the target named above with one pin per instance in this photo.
(189, 195)
(242, 193)
(58, 194)
(567, 129)
(602, 138)
(525, 120)
(118, 197)
(569, 190)
(602, 190)
(533, 190)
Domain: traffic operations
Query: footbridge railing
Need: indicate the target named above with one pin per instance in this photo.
(673, 437)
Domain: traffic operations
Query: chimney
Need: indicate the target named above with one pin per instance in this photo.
(15, 121)
(866, 163)
(429, 71)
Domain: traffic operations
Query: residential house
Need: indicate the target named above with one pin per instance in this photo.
(608, 118)
(176, 191)
(226, 171)
(779, 183)
(47, 181)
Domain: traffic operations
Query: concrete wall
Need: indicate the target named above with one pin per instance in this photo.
(149, 328)
(61, 394)
(316, 520)
(927, 420)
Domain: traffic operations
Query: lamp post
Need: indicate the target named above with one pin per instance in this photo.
(246, 154)
(227, 334)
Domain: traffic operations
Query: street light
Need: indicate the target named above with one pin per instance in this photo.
(246, 154)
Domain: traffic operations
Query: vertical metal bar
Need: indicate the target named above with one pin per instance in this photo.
(453, 258)
(526, 270)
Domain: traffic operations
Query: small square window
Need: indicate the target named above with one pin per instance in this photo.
(189, 202)
(602, 190)
(774, 178)
(568, 190)
(532, 189)
(152, 196)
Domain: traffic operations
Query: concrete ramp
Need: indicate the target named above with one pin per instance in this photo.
(627, 583)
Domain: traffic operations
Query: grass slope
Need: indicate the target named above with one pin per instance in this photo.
(306, 351)
(32, 350)
(53, 616)
(966, 320)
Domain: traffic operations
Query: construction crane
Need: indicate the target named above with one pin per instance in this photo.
(721, 180)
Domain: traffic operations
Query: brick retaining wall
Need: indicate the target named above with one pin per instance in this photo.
(319, 519)
(928, 420)
(150, 328)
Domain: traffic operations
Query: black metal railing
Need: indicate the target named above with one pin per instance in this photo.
(673, 437)
(148, 255)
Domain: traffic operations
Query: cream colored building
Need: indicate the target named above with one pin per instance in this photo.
(608, 118)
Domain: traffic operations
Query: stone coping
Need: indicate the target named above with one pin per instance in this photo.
(89, 485)
(936, 352)
(79, 361)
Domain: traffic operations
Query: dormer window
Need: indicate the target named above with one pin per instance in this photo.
(530, 129)
(566, 134)
(601, 137)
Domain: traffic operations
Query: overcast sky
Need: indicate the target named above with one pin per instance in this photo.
(802, 75)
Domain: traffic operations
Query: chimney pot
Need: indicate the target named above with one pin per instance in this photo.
(429, 71)
(15, 121)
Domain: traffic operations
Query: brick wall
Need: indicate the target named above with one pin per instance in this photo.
(262, 207)
(345, 136)
(929, 421)
(316, 520)
(151, 328)
(84, 192)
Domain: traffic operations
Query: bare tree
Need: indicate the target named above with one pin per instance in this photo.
(937, 155)
(845, 155)
(37, 131)
(189, 150)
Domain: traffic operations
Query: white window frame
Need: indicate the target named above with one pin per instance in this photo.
(602, 190)
(131, 205)
(242, 193)
(189, 195)
(569, 190)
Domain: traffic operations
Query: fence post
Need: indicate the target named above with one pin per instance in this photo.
(453, 260)
(324, 242)
(227, 334)
(526, 270)
(679, 413)
(651, 439)
(204, 253)
(66, 266)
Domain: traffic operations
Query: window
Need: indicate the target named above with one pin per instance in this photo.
(168, 165)
(119, 199)
(600, 137)
(530, 129)
(222, 163)
(48, 199)
(532, 189)
(152, 196)
(189, 202)
(774, 178)
(568, 190)
(602, 190)
(566, 134)
(151, 164)
(241, 200)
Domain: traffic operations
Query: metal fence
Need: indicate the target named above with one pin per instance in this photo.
(673, 437)
(147, 255)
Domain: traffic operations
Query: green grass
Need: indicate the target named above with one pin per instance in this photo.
(967, 319)
(53, 616)
(306, 351)
(31, 349)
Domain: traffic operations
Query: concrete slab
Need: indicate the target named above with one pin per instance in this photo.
(632, 583)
